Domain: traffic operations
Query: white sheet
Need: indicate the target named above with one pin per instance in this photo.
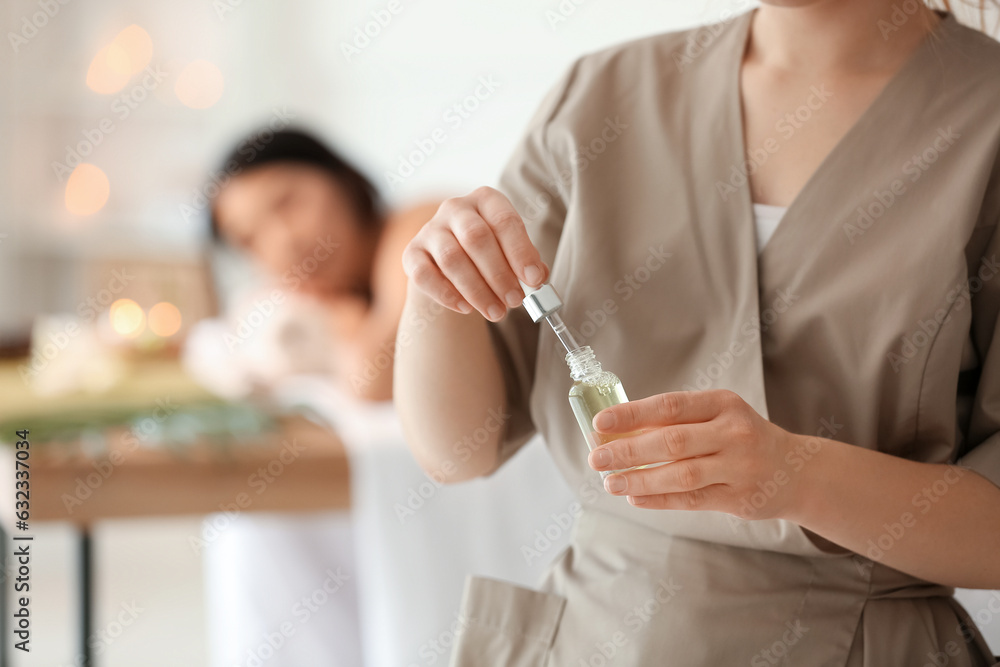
(409, 568)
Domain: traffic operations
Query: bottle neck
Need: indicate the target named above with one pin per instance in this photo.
(583, 364)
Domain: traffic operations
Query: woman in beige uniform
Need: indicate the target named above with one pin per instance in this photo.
(831, 406)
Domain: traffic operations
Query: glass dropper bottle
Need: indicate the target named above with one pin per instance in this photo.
(594, 388)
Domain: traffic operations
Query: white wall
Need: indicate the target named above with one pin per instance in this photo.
(286, 55)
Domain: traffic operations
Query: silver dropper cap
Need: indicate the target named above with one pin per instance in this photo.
(540, 302)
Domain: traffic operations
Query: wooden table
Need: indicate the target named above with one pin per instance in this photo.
(296, 466)
(300, 467)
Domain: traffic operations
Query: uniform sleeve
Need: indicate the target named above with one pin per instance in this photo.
(982, 450)
(536, 179)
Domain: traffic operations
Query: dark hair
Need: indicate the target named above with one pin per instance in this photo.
(981, 5)
(267, 147)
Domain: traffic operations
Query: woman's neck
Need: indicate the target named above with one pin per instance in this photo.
(845, 36)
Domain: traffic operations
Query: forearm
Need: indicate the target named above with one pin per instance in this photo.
(937, 522)
(447, 386)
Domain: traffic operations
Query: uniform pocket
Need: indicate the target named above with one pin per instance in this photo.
(505, 624)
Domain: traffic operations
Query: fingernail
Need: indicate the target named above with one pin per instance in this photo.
(533, 274)
(615, 483)
(495, 312)
(464, 308)
(637, 500)
(602, 458)
(513, 299)
(604, 420)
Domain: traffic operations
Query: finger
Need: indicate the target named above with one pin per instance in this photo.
(427, 277)
(676, 407)
(510, 232)
(709, 498)
(676, 477)
(458, 268)
(668, 443)
(481, 245)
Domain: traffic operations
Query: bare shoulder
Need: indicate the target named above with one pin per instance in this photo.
(401, 225)
(405, 222)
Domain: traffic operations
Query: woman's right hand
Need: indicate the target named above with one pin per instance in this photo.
(472, 253)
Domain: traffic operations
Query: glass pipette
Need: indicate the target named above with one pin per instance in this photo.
(543, 303)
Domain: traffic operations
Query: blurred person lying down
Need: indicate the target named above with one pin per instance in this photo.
(335, 287)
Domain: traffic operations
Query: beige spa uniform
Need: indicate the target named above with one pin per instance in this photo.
(858, 321)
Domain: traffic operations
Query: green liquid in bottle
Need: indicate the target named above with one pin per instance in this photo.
(594, 390)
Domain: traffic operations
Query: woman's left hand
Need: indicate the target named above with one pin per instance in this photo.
(724, 456)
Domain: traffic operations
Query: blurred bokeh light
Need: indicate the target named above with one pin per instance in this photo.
(87, 190)
(137, 45)
(199, 85)
(127, 318)
(114, 65)
(164, 319)
(110, 70)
